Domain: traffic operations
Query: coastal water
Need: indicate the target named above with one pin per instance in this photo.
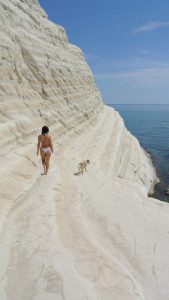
(150, 124)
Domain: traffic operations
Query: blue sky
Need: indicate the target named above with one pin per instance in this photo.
(126, 44)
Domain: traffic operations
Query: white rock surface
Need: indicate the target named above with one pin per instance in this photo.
(66, 237)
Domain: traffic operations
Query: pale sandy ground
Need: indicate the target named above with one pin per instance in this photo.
(67, 237)
(95, 236)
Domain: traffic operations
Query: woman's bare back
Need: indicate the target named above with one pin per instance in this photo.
(45, 141)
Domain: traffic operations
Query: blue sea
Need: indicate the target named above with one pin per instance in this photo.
(150, 124)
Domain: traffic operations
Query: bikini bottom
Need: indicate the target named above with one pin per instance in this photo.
(46, 150)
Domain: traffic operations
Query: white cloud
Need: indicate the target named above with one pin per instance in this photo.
(151, 26)
(149, 76)
(144, 52)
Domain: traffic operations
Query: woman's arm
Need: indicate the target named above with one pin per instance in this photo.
(50, 143)
(38, 145)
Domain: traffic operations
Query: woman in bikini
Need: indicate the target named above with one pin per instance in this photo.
(46, 148)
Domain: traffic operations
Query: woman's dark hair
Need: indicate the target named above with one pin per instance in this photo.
(45, 130)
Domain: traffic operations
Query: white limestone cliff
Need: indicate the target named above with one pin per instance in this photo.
(96, 236)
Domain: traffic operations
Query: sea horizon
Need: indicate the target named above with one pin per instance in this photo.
(148, 104)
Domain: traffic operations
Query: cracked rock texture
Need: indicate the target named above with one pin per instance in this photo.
(66, 236)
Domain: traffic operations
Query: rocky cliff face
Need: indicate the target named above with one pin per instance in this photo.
(71, 237)
(44, 78)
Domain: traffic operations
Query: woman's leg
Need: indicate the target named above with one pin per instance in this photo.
(47, 160)
(43, 160)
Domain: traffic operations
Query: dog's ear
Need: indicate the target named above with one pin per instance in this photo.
(88, 161)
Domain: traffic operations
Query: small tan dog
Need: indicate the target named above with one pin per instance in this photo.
(82, 166)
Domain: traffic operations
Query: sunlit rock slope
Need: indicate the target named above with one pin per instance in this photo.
(96, 236)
